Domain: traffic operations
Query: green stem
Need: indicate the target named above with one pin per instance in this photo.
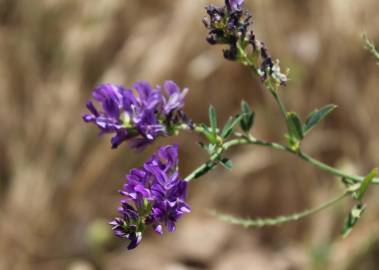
(213, 160)
(370, 46)
(328, 168)
(201, 170)
(273, 90)
(245, 60)
(281, 219)
(278, 101)
(309, 159)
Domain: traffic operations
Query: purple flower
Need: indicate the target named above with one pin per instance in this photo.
(153, 195)
(137, 117)
(110, 97)
(229, 25)
(234, 4)
(124, 230)
(173, 97)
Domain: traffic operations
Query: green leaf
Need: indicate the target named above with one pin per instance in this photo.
(245, 108)
(295, 128)
(352, 219)
(209, 148)
(213, 119)
(204, 146)
(316, 116)
(212, 149)
(347, 182)
(247, 120)
(365, 183)
(293, 143)
(209, 166)
(208, 134)
(229, 126)
(227, 163)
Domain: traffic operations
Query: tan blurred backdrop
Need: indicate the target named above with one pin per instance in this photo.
(59, 181)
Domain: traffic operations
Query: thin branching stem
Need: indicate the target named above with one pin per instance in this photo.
(280, 104)
(213, 160)
(262, 222)
(243, 140)
(370, 46)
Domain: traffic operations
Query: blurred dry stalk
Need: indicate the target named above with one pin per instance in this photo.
(56, 177)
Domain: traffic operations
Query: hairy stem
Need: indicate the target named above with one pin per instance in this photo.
(309, 159)
(370, 46)
(213, 160)
(281, 219)
(243, 140)
(278, 101)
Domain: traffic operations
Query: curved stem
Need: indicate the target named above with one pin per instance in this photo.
(201, 170)
(309, 159)
(278, 101)
(328, 168)
(281, 219)
(213, 160)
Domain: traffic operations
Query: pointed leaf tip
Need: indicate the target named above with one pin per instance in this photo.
(316, 116)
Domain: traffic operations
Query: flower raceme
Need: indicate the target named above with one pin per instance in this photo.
(229, 25)
(138, 116)
(153, 195)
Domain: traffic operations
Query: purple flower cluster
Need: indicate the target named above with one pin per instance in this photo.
(229, 25)
(137, 116)
(154, 195)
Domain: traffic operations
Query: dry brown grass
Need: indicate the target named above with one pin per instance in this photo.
(58, 180)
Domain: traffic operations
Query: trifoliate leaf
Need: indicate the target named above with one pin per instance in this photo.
(295, 128)
(352, 219)
(227, 163)
(247, 121)
(316, 116)
(213, 119)
(229, 126)
(208, 133)
(365, 183)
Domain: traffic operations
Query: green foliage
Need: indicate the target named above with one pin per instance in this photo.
(352, 219)
(365, 183)
(213, 120)
(295, 128)
(208, 133)
(209, 148)
(230, 125)
(356, 186)
(227, 163)
(370, 46)
(207, 167)
(316, 116)
(295, 131)
(248, 118)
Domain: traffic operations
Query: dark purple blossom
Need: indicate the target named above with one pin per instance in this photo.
(139, 116)
(153, 195)
(234, 4)
(229, 25)
(226, 25)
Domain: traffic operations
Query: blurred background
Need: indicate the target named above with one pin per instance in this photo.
(59, 180)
